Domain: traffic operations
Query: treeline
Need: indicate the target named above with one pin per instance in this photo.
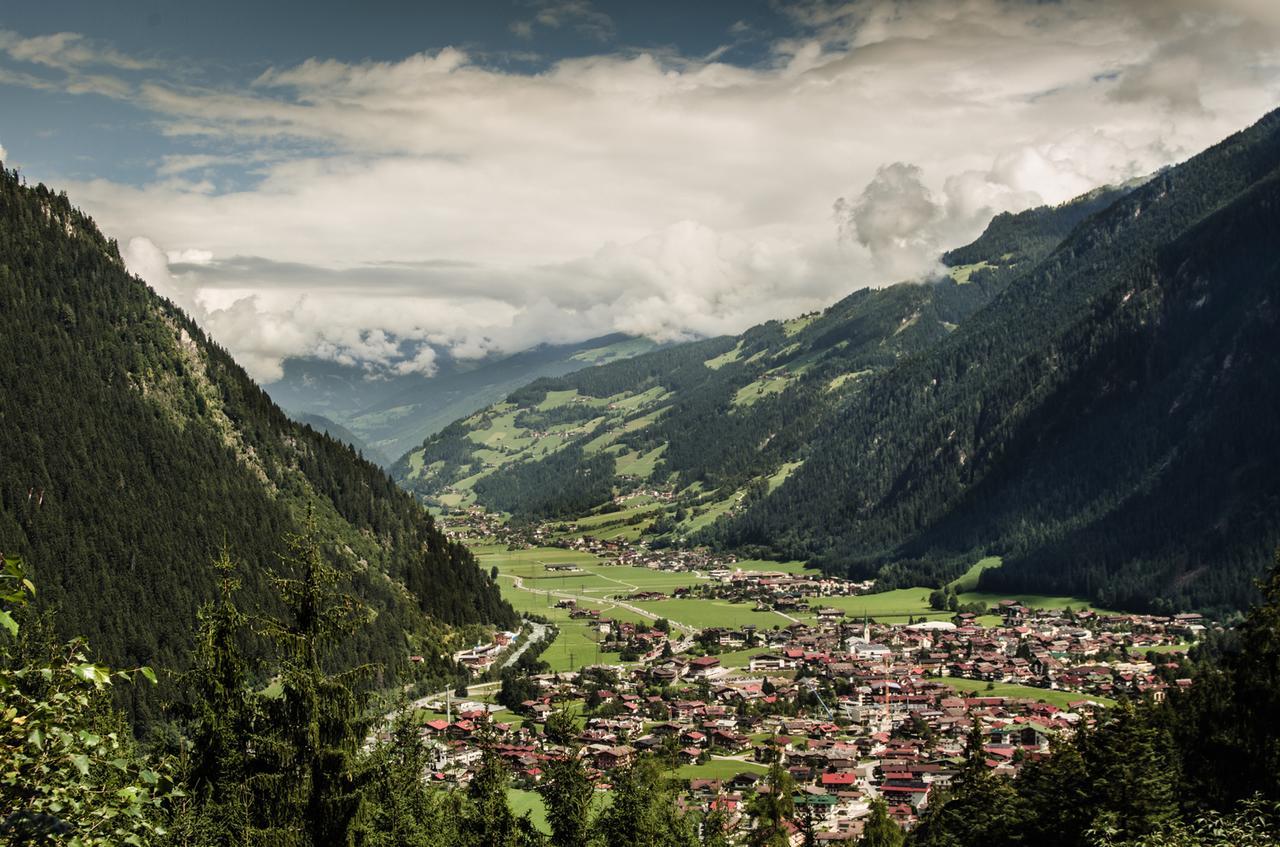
(289, 766)
(133, 445)
(1106, 423)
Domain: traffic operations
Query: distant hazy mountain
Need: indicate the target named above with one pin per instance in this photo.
(386, 415)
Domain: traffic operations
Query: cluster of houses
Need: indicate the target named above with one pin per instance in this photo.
(777, 591)
(853, 711)
(481, 657)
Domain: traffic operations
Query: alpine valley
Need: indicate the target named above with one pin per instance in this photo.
(988, 557)
(1087, 392)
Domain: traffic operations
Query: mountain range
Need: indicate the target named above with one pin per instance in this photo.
(1089, 392)
(385, 414)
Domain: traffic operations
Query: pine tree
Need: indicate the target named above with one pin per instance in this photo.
(567, 790)
(771, 810)
(311, 734)
(219, 713)
(642, 812)
(401, 809)
(880, 830)
(488, 820)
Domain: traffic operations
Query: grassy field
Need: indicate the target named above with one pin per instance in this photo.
(740, 658)
(724, 358)
(961, 273)
(897, 605)
(718, 769)
(705, 613)
(576, 643)
(780, 567)
(751, 392)
(714, 510)
(973, 688)
(596, 583)
(522, 801)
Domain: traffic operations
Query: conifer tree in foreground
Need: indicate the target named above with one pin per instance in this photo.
(311, 790)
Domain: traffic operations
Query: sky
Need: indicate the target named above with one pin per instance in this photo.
(382, 183)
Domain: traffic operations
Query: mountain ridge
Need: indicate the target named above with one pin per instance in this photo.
(136, 449)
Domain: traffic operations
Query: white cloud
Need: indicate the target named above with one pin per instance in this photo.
(439, 200)
(895, 218)
(4, 154)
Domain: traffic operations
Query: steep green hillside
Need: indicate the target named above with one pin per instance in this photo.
(710, 426)
(134, 448)
(389, 414)
(1108, 423)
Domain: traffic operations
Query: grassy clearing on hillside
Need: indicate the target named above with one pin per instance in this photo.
(839, 381)
(961, 273)
(557, 398)
(619, 350)
(968, 581)
(781, 475)
(640, 465)
(712, 511)
(724, 358)
(794, 325)
(613, 429)
(748, 394)
(632, 402)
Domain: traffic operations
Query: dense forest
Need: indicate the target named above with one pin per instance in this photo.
(1200, 769)
(135, 449)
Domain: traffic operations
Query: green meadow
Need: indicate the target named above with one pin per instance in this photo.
(974, 688)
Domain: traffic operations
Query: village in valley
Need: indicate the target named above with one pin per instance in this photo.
(723, 668)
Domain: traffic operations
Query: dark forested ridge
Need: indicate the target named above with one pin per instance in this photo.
(1108, 423)
(134, 449)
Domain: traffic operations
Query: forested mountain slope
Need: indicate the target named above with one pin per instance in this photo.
(390, 413)
(1108, 423)
(133, 449)
(715, 423)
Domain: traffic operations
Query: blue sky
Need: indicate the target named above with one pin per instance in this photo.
(376, 186)
(231, 43)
